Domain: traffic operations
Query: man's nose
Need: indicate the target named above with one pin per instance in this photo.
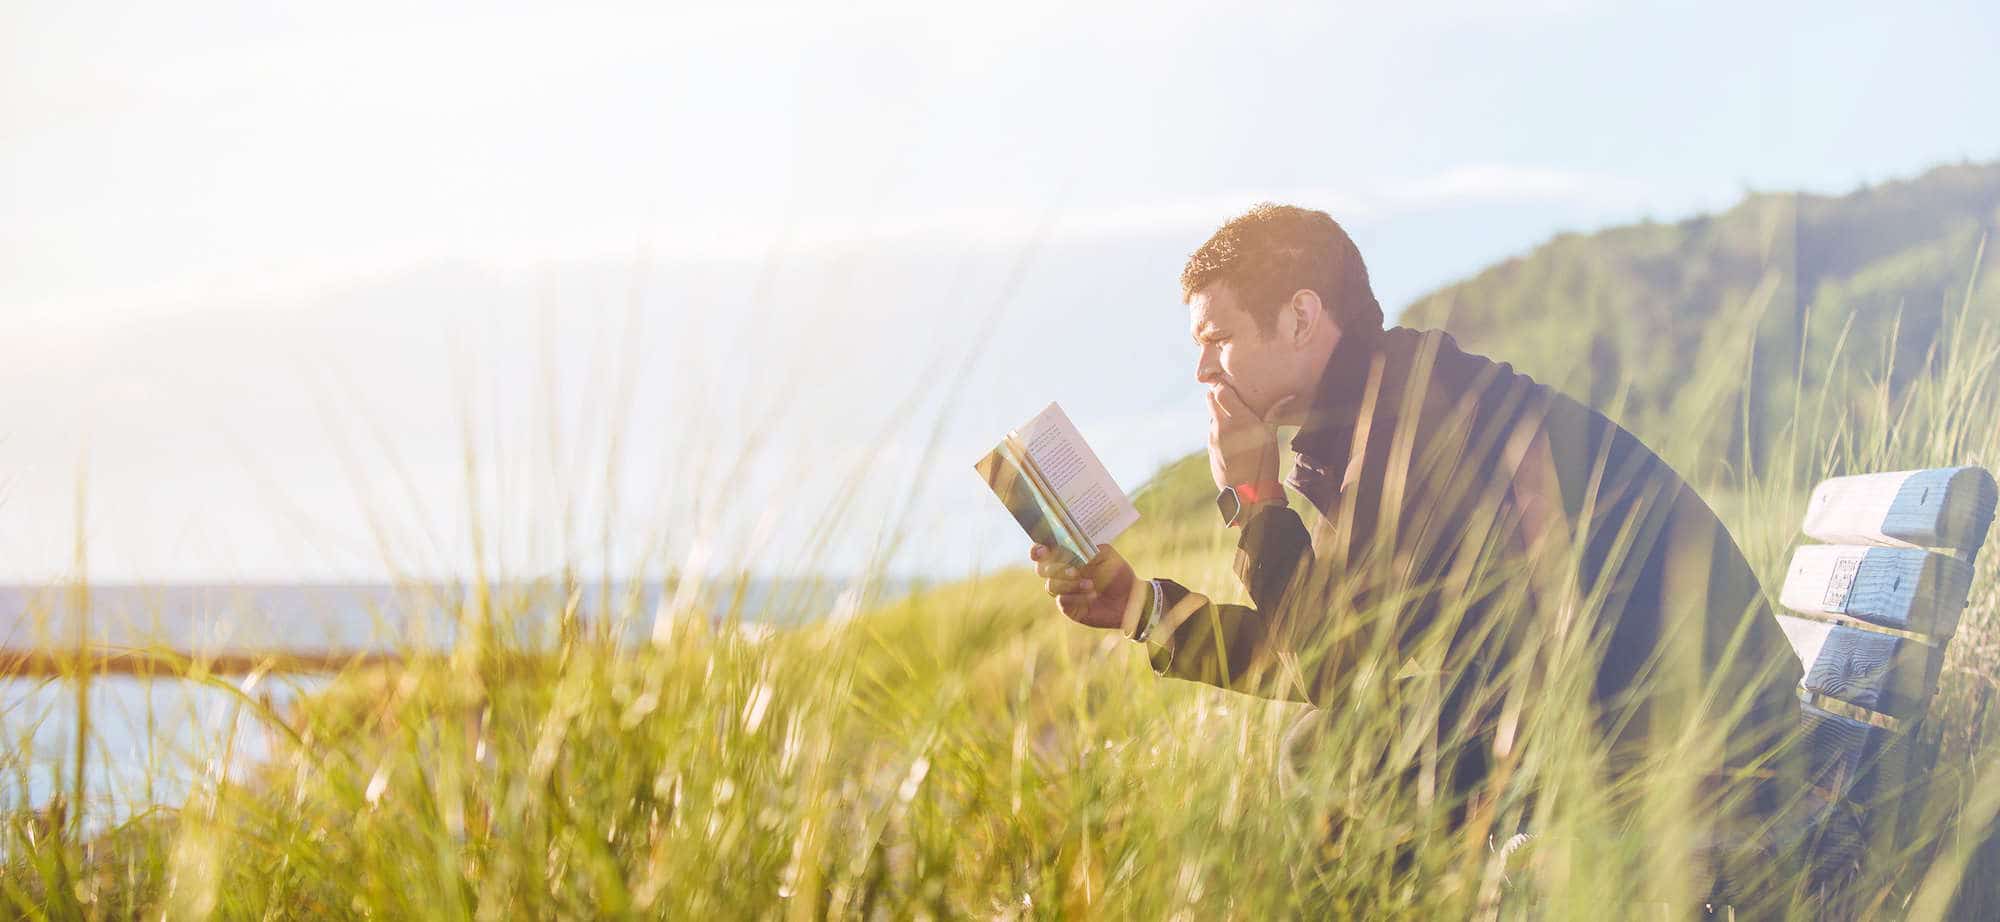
(1206, 369)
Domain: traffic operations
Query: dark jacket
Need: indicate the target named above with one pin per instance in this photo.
(1477, 529)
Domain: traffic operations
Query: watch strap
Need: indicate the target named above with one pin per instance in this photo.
(1152, 619)
(1262, 491)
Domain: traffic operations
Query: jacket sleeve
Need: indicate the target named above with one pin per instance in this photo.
(1238, 647)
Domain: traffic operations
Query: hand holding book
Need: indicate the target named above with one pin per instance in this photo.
(1103, 593)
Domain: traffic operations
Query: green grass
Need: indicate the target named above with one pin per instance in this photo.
(966, 751)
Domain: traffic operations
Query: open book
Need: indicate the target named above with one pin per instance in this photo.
(1055, 486)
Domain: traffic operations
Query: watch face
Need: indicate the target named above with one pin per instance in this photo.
(1230, 504)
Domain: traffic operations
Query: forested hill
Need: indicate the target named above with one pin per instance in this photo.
(1649, 321)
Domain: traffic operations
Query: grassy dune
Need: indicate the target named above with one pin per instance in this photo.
(965, 751)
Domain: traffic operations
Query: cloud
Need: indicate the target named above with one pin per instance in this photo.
(1363, 202)
(1481, 183)
(756, 236)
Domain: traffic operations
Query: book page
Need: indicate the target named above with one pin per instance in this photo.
(1064, 522)
(1078, 479)
(1007, 475)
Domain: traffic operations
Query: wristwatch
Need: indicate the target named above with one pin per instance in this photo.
(1235, 502)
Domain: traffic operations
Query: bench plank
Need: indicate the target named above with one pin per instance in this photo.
(1908, 589)
(1881, 672)
(1866, 769)
(1864, 800)
(1946, 507)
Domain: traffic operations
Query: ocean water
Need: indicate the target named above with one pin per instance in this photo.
(150, 739)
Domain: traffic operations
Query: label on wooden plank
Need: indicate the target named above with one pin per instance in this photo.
(1842, 582)
(1907, 589)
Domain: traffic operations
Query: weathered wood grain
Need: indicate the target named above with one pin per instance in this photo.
(1864, 799)
(1947, 507)
(1866, 769)
(1881, 672)
(1908, 589)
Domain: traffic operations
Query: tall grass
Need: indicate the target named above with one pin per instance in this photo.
(965, 751)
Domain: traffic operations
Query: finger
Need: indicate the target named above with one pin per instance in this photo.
(1053, 565)
(1036, 552)
(1232, 403)
(1075, 603)
(1060, 586)
(1216, 410)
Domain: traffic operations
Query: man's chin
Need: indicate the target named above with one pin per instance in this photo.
(1283, 412)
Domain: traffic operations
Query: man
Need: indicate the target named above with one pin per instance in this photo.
(1473, 526)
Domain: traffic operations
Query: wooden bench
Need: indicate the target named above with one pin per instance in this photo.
(1875, 606)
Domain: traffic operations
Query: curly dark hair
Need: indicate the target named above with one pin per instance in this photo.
(1270, 251)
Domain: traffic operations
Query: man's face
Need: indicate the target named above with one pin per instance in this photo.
(1236, 353)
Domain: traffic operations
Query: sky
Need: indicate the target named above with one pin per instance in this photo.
(323, 291)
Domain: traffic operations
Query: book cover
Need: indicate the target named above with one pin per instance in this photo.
(1055, 487)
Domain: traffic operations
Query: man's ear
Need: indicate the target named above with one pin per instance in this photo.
(1307, 315)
